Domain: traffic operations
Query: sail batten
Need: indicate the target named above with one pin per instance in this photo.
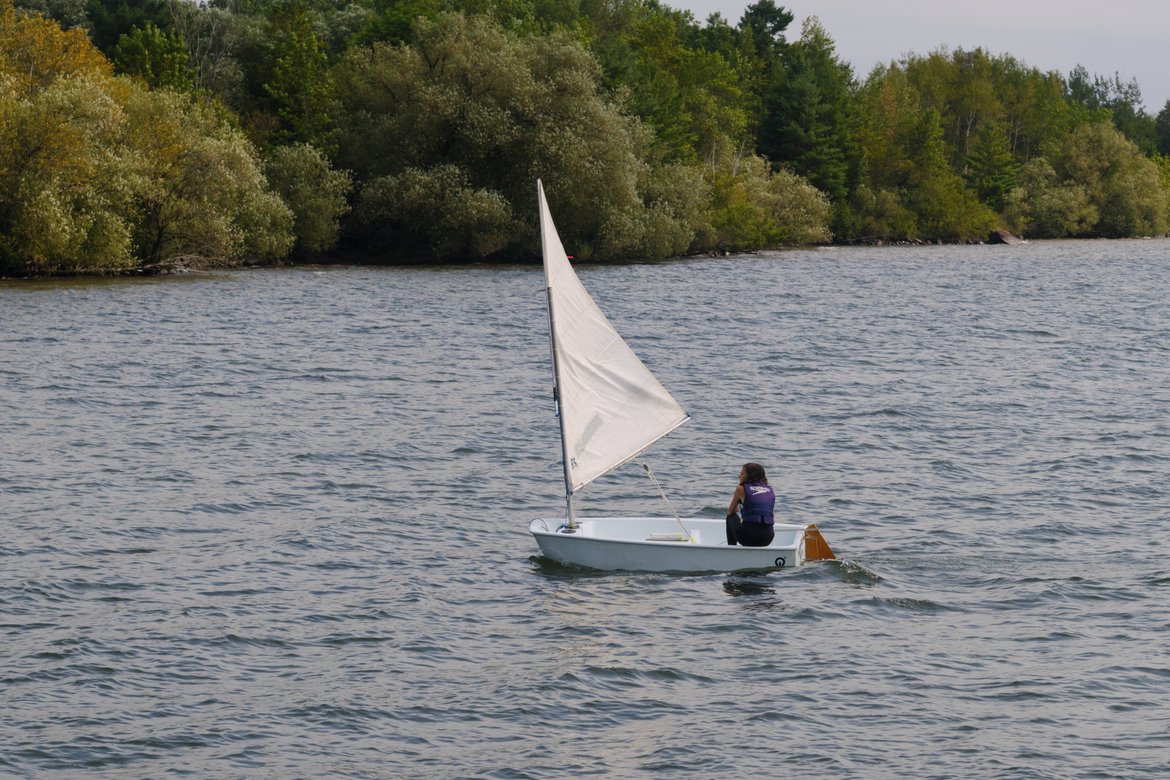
(612, 407)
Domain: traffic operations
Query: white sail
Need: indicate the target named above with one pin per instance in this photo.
(611, 406)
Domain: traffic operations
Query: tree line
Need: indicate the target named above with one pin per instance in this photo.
(137, 133)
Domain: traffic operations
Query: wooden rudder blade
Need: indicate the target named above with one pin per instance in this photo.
(815, 546)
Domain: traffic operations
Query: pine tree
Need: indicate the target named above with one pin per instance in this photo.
(811, 127)
(991, 169)
(300, 87)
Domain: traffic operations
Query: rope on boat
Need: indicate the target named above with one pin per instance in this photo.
(662, 493)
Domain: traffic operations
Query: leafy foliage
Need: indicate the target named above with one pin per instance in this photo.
(811, 125)
(754, 206)
(692, 97)
(157, 57)
(101, 174)
(1100, 98)
(1162, 129)
(435, 212)
(1043, 206)
(110, 19)
(991, 167)
(64, 185)
(70, 13)
(1100, 185)
(300, 87)
(1123, 185)
(316, 194)
(494, 112)
(415, 128)
(202, 190)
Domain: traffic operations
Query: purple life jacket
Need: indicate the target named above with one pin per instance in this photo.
(759, 501)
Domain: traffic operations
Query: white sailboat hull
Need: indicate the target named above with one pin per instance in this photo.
(652, 544)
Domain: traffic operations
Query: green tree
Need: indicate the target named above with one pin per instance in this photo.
(300, 87)
(905, 157)
(65, 195)
(676, 215)
(66, 181)
(811, 126)
(1162, 129)
(889, 110)
(493, 111)
(157, 57)
(767, 23)
(1099, 184)
(70, 13)
(202, 192)
(976, 93)
(1035, 113)
(691, 96)
(1120, 101)
(991, 166)
(341, 26)
(109, 20)
(1081, 88)
(960, 86)
(878, 216)
(222, 47)
(1042, 206)
(946, 209)
(314, 192)
(1124, 186)
(437, 213)
(753, 206)
(393, 21)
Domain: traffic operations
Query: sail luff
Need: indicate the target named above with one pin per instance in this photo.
(545, 241)
(560, 415)
(611, 406)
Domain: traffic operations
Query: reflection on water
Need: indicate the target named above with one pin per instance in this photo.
(738, 586)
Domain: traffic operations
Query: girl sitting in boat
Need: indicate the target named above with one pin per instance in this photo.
(756, 500)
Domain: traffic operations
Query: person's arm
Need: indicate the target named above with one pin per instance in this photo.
(736, 500)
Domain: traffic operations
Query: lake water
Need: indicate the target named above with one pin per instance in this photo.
(273, 523)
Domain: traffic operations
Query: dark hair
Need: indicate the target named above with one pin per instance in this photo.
(754, 473)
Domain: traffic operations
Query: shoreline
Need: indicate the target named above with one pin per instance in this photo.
(191, 265)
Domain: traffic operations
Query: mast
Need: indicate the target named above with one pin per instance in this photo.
(552, 343)
(569, 509)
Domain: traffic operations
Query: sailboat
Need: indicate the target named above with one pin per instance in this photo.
(611, 408)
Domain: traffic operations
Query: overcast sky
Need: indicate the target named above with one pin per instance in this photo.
(1130, 37)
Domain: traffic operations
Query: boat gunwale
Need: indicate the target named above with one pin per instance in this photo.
(739, 549)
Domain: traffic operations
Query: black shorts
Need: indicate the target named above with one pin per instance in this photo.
(749, 534)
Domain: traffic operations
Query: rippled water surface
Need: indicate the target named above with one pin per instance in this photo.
(272, 523)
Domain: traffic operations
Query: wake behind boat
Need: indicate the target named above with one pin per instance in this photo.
(611, 408)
